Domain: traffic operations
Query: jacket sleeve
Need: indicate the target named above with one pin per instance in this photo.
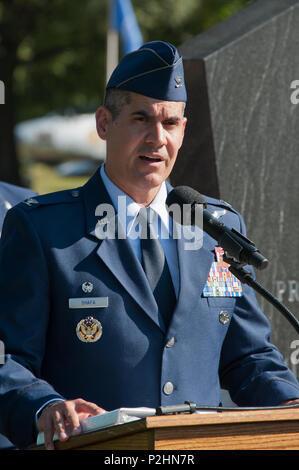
(251, 368)
(24, 301)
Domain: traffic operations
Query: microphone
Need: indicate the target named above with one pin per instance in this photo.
(235, 245)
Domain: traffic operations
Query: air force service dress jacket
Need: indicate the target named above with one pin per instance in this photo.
(50, 253)
(10, 195)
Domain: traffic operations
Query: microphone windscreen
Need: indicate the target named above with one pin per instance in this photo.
(185, 206)
(184, 195)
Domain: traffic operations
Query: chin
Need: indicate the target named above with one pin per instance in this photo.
(152, 181)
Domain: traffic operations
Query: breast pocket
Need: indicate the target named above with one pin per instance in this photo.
(221, 302)
(221, 309)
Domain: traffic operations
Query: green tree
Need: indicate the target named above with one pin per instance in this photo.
(52, 54)
(178, 21)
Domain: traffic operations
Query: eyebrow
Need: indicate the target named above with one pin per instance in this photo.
(144, 113)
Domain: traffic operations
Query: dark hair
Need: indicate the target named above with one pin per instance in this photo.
(115, 99)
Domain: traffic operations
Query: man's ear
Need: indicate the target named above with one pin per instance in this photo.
(103, 118)
(183, 130)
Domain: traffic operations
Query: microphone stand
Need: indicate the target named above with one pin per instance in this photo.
(237, 269)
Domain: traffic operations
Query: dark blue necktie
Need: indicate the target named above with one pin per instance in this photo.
(156, 268)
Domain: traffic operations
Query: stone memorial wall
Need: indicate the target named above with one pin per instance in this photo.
(242, 140)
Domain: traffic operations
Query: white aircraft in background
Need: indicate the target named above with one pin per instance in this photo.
(55, 138)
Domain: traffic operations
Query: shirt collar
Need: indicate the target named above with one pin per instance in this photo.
(132, 208)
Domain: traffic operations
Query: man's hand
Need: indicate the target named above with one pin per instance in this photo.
(294, 401)
(63, 417)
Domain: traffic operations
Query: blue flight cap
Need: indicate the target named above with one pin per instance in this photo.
(154, 70)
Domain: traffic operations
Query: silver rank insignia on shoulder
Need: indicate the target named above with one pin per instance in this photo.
(219, 213)
(89, 330)
(31, 202)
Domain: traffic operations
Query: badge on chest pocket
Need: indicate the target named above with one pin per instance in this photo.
(89, 330)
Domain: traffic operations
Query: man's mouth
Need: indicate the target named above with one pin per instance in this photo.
(149, 158)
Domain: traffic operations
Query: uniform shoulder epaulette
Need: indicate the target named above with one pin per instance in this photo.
(58, 197)
(220, 203)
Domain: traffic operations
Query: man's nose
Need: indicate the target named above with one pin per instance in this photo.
(157, 134)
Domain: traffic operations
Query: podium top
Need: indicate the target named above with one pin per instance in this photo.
(195, 424)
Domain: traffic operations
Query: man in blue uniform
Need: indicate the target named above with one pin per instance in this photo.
(88, 321)
(9, 196)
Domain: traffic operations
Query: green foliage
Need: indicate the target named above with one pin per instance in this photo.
(178, 21)
(60, 52)
(57, 48)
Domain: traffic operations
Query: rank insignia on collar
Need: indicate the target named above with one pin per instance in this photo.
(221, 282)
(89, 330)
(178, 81)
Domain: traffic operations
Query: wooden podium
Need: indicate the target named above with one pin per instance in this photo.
(227, 430)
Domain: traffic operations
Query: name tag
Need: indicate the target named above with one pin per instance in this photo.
(88, 302)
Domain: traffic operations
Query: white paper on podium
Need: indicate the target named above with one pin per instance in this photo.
(110, 418)
(119, 416)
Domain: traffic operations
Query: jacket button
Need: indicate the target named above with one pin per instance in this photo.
(168, 388)
(75, 193)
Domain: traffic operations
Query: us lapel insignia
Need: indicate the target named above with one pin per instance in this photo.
(221, 282)
(178, 82)
(89, 330)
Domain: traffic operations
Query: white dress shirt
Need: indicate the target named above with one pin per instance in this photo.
(162, 224)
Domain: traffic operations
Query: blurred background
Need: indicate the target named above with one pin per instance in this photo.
(55, 57)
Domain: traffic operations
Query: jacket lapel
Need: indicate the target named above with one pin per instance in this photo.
(120, 259)
(194, 267)
(116, 252)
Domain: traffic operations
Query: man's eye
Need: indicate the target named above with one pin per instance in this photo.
(170, 123)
